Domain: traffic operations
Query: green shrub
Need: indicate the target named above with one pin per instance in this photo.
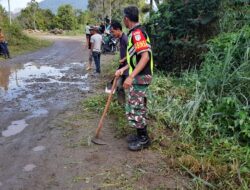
(236, 16)
(210, 109)
(224, 80)
(179, 31)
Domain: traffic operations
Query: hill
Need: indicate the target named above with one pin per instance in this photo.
(54, 4)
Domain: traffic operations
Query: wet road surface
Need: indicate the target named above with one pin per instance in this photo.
(34, 88)
(33, 84)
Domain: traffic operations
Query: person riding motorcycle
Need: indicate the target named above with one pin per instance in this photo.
(109, 43)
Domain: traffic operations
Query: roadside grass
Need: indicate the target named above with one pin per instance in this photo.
(73, 33)
(200, 121)
(20, 43)
(208, 113)
(212, 162)
(29, 44)
(76, 32)
(97, 102)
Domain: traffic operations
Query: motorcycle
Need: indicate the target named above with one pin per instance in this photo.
(109, 44)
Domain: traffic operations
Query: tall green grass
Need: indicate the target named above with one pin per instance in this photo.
(19, 42)
(210, 111)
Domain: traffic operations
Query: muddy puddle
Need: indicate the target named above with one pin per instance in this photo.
(31, 90)
(16, 79)
(15, 128)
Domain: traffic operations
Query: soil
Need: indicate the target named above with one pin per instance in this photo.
(45, 131)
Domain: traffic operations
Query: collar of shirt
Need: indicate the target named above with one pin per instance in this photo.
(136, 25)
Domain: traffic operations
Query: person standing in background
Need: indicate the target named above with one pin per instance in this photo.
(90, 58)
(87, 32)
(3, 45)
(102, 28)
(116, 31)
(96, 43)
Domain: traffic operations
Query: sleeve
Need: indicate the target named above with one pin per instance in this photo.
(126, 40)
(140, 42)
(92, 40)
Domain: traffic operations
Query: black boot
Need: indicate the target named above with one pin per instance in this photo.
(141, 141)
(134, 137)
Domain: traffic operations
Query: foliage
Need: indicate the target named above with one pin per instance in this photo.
(210, 108)
(33, 17)
(12, 32)
(111, 8)
(18, 41)
(180, 29)
(97, 104)
(3, 14)
(236, 16)
(65, 18)
(224, 81)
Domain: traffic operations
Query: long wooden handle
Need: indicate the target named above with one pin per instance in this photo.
(100, 125)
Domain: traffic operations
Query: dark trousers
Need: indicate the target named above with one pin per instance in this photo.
(97, 57)
(121, 96)
(4, 48)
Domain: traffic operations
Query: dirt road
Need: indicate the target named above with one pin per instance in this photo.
(45, 133)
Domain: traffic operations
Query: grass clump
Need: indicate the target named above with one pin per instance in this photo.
(19, 42)
(208, 110)
(97, 103)
(207, 114)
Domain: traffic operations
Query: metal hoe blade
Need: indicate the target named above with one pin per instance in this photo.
(98, 141)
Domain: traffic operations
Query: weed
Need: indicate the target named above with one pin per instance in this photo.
(209, 112)
(20, 43)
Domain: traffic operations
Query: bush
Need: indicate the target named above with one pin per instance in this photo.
(15, 35)
(224, 81)
(179, 31)
(210, 108)
(236, 16)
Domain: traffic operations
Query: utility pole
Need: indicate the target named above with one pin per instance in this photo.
(110, 11)
(151, 5)
(9, 12)
(103, 9)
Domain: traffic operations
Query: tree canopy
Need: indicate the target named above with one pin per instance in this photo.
(111, 8)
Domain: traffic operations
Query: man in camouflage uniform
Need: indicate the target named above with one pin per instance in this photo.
(140, 65)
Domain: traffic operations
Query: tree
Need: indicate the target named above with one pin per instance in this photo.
(33, 7)
(66, 18)
(33, 17)
(111, 8)
(3, 14)
(28, 17)
(180, 30)
(83, 17)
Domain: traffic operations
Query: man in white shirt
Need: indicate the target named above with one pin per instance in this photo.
(87, 32)
(96, 43)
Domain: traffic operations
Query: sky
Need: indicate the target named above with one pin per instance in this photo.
(15, 5)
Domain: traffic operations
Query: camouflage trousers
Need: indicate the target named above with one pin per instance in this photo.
(136, 108)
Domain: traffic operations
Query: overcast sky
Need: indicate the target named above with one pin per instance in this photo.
(15, 5)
